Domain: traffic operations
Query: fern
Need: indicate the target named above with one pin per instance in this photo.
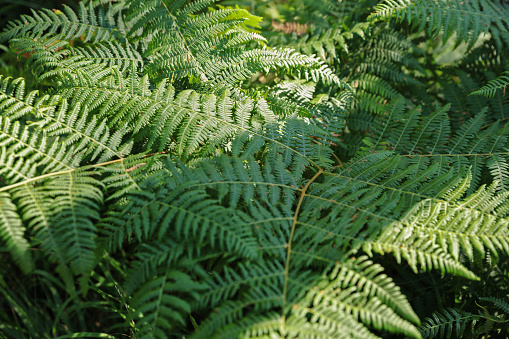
(12, 234)
(446, 235)
(192, 176)
(467, 19)
(490, 89)
(428, 140)
(500, 303)
(90, 24)
(448, 321)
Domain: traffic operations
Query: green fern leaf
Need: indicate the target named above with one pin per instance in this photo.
(500, 303)
(161, 302)
(490, 89)
(12, 233)
(446, 322)
(90, 25)
(467, 19)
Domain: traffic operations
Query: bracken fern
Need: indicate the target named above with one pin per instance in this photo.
(155, 186)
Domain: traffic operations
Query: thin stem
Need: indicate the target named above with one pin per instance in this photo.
(294, 225)
(49, 175)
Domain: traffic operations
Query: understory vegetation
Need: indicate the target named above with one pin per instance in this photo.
(254, 169)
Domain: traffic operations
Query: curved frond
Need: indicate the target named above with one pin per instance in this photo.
(433, 233)
(447, 323)
(90, 24)
(490, 89)
(500, 303)
(469, 20)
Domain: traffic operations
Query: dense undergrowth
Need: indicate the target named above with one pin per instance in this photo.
(255, 169)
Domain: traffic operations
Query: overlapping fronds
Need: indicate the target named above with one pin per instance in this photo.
(89, 24)
(103, 79)
(194, 181)
(211, 47)
(54, 58)
(467, 19)
(428, 140)
(276, 225)
(432, 229)
(62, 213)
(163, 301)
(60, 138)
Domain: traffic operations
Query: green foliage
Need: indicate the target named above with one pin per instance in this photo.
(492, 86)
(186, 169)
(467, 19)
(448, 321)
(452, 323)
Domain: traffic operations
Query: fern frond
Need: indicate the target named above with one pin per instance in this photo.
(55, 59)
(88, 24)
(35, 210)
(226, 285)
(124, 175)
(184, 122)
(327, 298)
(59, 139)
(203, 183)
(185, 50)
(499, 169)
(190, 207)
(326, 323)
(370, 281)
(296, 98)
(211, 48)
(447, 323)
(282, 61)
(389, 71)
(12, 233)
(500, 303)
(428, 140)
(490, 89)
(150, 258)
(376, 85)
(72, 139)
(469, 20)
(162, 302)
(232, 315)
(438, 227)
(13, 102)
(17, 141)
(61, 213)
(75, 206)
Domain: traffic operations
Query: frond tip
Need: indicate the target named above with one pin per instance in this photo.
(433, 233)
(356, 293)
(447, 323)
(490, 89)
